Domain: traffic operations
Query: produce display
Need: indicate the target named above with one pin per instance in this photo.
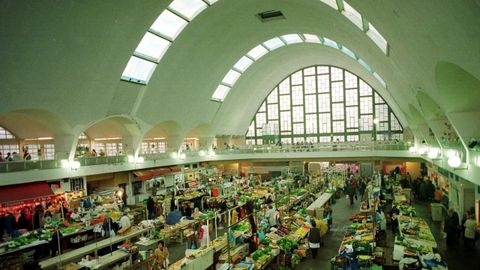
(30, 237)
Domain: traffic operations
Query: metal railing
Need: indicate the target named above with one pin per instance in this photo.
(26, 165)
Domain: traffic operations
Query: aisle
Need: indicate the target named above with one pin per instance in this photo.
(456, 257)
(341, 211)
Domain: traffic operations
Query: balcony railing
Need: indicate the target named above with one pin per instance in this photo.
(26, 165)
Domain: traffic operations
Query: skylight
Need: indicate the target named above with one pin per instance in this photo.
(152, 47)
(330, 43)
(364, 64)
(292, 38)
(346, 51)
(243, 64)
(380, 80)
(220, 93)
(312, 38)
(231, 77)
(138, 70)
(331, 3)
(273, 43)
(188, 8)
(257, 52)
(353, 15)
(377, 38)
(211, 2)
(168, 24)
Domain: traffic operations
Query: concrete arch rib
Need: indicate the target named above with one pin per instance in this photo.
(116, 127)
(34, 124)
(169, 131)
(421, 126)
(460, 92)
(437, 120)
(202, 136)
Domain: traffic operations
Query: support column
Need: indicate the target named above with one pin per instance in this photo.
(65, 146)
(132, 145)
(205, 143)
(174, 143)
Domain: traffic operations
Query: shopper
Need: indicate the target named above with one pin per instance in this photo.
(314, 239)
(151, 207)
(54, 242)
(470, 231)
(10, 224)
(203, 235)
(125, 221)
(394, 217)
(161, 256)
(23, 222)
(188, 210)
(451, 226)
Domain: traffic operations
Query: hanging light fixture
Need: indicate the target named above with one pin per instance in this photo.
(412, 149)
(433, 153)
(454, 161)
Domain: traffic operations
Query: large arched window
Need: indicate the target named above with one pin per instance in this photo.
(323, 104)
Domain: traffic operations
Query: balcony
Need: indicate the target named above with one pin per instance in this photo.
(29, 165)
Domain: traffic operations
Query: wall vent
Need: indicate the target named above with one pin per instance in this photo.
(270, 15)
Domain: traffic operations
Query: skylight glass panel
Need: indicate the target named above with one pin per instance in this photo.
(312, 38)
(188, 8)
(231, 77)
(273, 43)
(168, 24)
(211, 2)
(377, 38)
(331, 3)
(346, 51)
(152, 47)
(352, 15)
(330, 43)
(379, 79)
(257, 52)
(292, 38)
(138, 70)
(364, 64)
(221, 92)
(243, 64)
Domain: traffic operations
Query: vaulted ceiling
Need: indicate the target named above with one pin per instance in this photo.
(61, 62)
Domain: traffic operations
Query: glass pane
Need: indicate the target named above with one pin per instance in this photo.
(297, 95)
(273, 97)
(298, 114)
(311, 123)
(284, 102)
(323, 83)
(324, 103)
(310, 103)
(272, 111)
(310, 84)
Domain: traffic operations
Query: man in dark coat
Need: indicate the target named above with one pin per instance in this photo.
(151, 207)
(451, 227)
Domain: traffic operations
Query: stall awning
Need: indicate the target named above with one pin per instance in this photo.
(25, 192)
(143, 175)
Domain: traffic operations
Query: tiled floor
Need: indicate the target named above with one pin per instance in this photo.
(341, 211)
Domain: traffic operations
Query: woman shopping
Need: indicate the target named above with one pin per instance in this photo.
(314, 239)
(161, 256)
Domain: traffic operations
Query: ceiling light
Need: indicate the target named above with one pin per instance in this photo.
(450, 153)
(433, 153)
(174, 155)
(422, 150)
(477, 161)
(182, 156)
(202, 153)
(412, 149)
(454, 161)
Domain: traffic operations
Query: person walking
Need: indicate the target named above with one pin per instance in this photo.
(470, 231)
(314, 239)
(151, 208)
(451, 227)
(161, 256)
